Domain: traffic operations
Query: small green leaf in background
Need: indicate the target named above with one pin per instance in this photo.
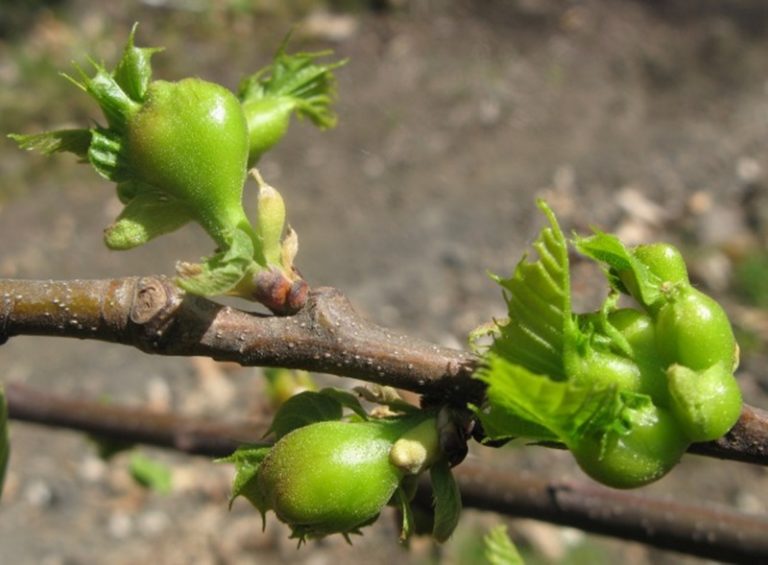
(150, 473)
(447, 501)
(499, 549)
(5, 443)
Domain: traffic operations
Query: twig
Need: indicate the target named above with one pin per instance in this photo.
(696, 529)
(131, 425)
(706, 531)
(153, 315)
(327, 336)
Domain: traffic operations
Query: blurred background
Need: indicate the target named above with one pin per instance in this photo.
(646, 118)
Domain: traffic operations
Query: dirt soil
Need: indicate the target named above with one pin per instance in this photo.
(646, 118)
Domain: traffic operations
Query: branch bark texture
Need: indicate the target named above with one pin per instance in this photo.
(327, 336)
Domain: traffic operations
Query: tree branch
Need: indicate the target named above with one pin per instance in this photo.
(328, 336)
(715, 533)
(153, 315)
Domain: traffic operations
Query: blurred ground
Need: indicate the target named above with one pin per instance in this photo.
(646, 118)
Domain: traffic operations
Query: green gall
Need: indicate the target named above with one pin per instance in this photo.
(708, 403)
(653, 445)
(333, 476)
(693, 330)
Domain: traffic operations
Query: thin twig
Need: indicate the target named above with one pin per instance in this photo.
(328, 336)
(707, 531)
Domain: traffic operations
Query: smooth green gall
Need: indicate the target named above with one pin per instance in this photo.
(652, 447)
(663, 260)
(706, 403)
(332, 477)
(693, 330)
(637, 328)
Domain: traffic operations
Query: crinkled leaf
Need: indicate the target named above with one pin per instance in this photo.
(221, 272)
(146, 216)
(310, 85)
(74, 141)
(447, 498)
(499, 549)
(150, 473)
(347, 400)
(107, 155)
(5, 442)
(607, 249)
(521, 403)
(133, 72)
(538, 301)
(247, 460)
(113, 100)
(303, 409)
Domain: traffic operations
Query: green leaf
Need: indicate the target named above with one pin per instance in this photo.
(347, 400)
(5, 442)
(303, 409)
(499, 549)
(74, 141)
(309, 85)
(607, 249)
(447, 499)
(150, 473)
(146, 216)
(247, 460)
(404, 504)
(108, 156)
(221, 272)
(134, 71)
(116, 104)
(522, 403)
(538, 301)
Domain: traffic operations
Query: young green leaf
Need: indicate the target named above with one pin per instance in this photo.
(447, 498)
(347, 400)
(525, 404)
(304, 409)
(539, 303)
(293, 83)
(247, 459)
(221, 272)
(49, 142)
(150, 473)
(404, 504)
(499, 549)
(146, 216)
(618, 260)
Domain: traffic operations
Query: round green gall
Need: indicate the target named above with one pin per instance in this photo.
(693, 330)
(646, 453)
(638, 329)
(664, 261)
(331, 477)
(706, 403)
